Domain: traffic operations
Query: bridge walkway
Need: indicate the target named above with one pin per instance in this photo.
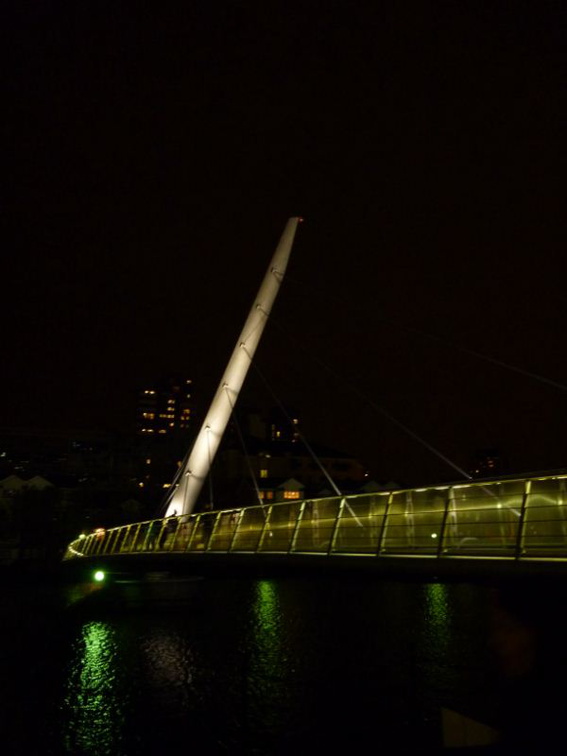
(516, 520)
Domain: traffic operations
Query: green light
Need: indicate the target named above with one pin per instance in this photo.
(93, 700)
(99, 576)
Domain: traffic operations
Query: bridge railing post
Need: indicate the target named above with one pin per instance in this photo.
(109, 543)
(193, 531)
(126, 540)
(135, 538)
(267, 519)
(157, 537)
(117, 538)
(172, 533)
(149, 525)
(443, 524)
(214, 528)
(88, 545)
(238, 523)
(296, 529)
(179, 534)
(335, 531)
(382, 534)
(520, 539)
(96, 545)
(93, 543)
(99, 540)
(409, 520)
(561, 501)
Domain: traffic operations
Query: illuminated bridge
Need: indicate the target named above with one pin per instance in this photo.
(516, 524)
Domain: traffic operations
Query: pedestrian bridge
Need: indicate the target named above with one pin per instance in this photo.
(511, 520)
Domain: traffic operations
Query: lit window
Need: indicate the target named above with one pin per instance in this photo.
(163, 430)
(263, 473)
(269, 494)
(148, 461)
(291, 495)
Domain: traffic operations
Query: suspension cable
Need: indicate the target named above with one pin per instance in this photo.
(316, 459)
(245, 450)
(376, 407)
(444, 341)
(290, 421)
(174, 484)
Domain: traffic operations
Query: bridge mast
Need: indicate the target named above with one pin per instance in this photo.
(191, 477)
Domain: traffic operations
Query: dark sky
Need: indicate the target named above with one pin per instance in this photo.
(155, 153)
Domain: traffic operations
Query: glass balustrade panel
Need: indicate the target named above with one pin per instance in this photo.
(317, 525)
(250, 529)
(360, 524)
(223, 534)
(545, 521)
(280, 528)
(203, 531)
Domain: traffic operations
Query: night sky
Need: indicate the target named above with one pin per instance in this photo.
(155, 151)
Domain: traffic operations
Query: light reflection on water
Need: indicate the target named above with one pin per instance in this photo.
(453, 661)
(438, 615)
(96, 702)
(435, 661)
(268, 667)
(267, 660)
(264, 667)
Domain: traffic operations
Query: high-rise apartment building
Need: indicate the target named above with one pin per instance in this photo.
(164, 407)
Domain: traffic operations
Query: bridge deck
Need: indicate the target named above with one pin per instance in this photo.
(511, 520)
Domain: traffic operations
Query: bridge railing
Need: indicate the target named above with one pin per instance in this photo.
(515, 519)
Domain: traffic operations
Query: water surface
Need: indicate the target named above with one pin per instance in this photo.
(244, 666)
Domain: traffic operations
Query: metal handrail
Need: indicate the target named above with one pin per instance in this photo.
(513, 518)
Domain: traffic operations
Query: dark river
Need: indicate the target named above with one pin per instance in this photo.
(245, 666)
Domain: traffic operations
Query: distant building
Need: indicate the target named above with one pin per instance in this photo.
(165, 407)
(283, 428)
(280, 463)
(275, 490)
(57, 454)
(488, 463)
(14, 485)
